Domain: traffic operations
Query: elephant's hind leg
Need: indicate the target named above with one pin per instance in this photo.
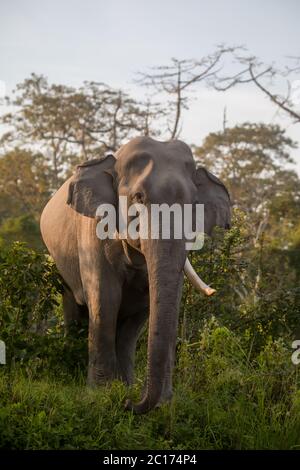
(74, 314)
(128, 332)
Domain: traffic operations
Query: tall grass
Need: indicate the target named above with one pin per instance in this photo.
(221, 401)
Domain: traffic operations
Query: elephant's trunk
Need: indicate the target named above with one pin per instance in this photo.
(165, 260)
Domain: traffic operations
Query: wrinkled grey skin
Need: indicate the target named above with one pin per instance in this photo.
(120, 283)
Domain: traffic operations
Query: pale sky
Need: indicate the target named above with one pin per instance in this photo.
(110, 40)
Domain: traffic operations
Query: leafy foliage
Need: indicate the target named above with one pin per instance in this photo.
(257, 292)
(31, 321)
(25, 183)
(250, 158)
(25, 228)
(70, 124)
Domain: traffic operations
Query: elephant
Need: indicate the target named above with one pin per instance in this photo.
(121, 282)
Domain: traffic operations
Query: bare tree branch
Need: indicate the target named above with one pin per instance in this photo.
(254, 71)
(176, 79)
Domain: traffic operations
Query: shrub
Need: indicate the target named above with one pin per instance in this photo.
(31, 321)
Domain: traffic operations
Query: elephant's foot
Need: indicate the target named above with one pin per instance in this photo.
(167, 392)
(165, 398)
(126, 375)
(99, 375)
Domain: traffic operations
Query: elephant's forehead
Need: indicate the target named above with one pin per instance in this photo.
(148, 148)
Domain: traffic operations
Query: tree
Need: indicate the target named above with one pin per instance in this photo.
(25, 183)
(264, 76)
(176, 79)
(251, 159)
(23, 228)
(71, 124)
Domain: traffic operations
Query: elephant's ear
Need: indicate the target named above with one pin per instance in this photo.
(215, 197)
(92, 185)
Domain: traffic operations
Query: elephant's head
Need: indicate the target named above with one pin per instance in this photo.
(152, 172)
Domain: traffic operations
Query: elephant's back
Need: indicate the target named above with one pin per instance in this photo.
(57, 217)
(59, 233)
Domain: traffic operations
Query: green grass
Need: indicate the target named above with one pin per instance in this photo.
(222, 400)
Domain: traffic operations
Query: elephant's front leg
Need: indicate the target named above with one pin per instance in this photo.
(103, 304)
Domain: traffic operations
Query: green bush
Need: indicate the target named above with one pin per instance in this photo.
(31, 320)
(25, 228)
(257, 289)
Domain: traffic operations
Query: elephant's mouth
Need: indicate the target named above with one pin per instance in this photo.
(188, 269)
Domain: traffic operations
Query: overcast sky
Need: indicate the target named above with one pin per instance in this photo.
(110, 40)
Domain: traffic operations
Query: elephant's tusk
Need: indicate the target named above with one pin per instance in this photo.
(195, 279)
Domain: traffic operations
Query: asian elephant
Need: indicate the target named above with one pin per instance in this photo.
(120, 282)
